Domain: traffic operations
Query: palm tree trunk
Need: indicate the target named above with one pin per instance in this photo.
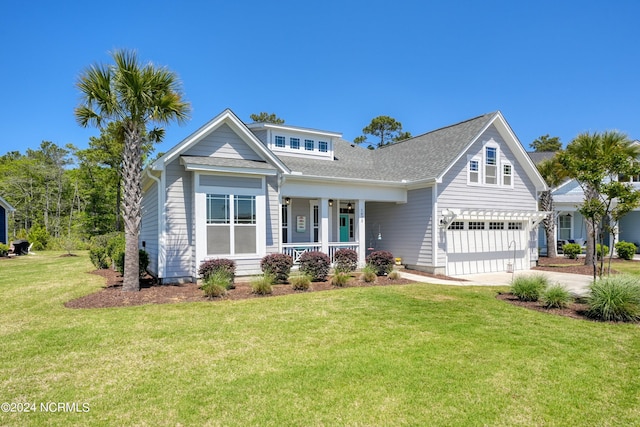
(546, 204)
(132, 172)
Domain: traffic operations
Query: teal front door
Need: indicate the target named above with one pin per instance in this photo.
(344, 228)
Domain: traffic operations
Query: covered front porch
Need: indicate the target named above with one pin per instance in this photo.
(322, 224)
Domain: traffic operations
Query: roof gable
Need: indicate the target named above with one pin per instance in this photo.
(225, 121)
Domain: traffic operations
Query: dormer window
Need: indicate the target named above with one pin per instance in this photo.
(309, 144)
(323, 146)
(280, 141)
(294, 143)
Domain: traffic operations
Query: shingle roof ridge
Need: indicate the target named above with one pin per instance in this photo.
(440, 129)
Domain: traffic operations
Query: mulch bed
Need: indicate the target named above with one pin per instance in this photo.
(152, 293)
(575, 266)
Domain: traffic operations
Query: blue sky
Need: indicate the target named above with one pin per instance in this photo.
(551, 67)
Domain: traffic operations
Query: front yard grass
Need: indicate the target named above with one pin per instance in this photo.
(396, 355)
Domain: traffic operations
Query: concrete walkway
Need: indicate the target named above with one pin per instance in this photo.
(577, 284)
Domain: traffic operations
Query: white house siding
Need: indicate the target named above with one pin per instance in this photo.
(262, 135)
(179, 244)
(273, 215)
(149, 226)
(406, 229)
(223, 142)
(455, 193)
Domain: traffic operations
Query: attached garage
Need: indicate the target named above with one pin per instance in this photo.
(486, 242)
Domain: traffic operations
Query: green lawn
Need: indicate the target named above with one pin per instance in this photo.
(420, 354)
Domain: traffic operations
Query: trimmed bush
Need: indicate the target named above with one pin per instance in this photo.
(316, 264)
(99, 258)
(529, 288)
(211, 266)
(625, 250)
(340, 279)
(300, 282)
(382, 261)
(602, 250)
(571, 250)
(345, 260)
(143, 262)
(369, 273)
(4, 250)
(277, 264)
(555, 296)
(261, 285)
(115, 244)
(216, 284)
(615, 298)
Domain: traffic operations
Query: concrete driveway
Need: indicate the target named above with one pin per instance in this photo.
(577, 284)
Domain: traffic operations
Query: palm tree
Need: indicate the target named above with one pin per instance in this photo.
(553, 173)
(138, 98)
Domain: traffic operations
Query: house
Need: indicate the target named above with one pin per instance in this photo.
(457, 200)
(5, 210)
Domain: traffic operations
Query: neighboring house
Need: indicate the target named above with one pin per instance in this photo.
(5, 210)
(460, 199)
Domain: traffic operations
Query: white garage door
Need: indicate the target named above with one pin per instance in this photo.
(483, 247)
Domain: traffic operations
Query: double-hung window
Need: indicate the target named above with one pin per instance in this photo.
(507, 175)
(491, 165)
(231, 224)
(474, 171)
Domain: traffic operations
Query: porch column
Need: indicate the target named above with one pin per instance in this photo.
(323, 224)
(362, 233)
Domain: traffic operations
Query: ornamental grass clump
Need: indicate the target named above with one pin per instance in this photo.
(394, 275)
(615, 298)
(529, 288)
(369, 273)
(555, 296)
(316, 264)
(262, 285)
(217, 284)
(300, 282)
(340, 279)
(209, 267)
(279, 265)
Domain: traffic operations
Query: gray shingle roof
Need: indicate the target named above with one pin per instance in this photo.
(537, 157)
(226, 162)
(422, 157)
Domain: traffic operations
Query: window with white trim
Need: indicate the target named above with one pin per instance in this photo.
(491, 165)
(515, 226)
(285, 223)
(496, 225)
(309, 144)
(476, 225)
(280, 141)
(323, 146)
(474, 171)
(294, 143)
(231, 224)
(456, 225)
(507, 174)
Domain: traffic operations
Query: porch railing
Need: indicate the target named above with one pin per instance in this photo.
(295, 250)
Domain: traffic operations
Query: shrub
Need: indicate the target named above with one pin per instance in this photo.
(602, 250)
(625, 250)
(571, 250)
(39, 237)
(261, 285)
(115, 244)
(529, 288)
(345, 260)
(369, 273)
(98, 257)
(615, 298)
(382, 261)
(4, 249)
(211, 266)
(394, 275)
(216, 284)
(316, 264)
(277, 264)
(555, 296)
(143, 262)
(341, 278)
(300, 282)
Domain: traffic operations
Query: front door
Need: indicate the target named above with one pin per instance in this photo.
(344, 227)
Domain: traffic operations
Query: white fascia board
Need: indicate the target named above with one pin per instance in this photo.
(204, 168)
